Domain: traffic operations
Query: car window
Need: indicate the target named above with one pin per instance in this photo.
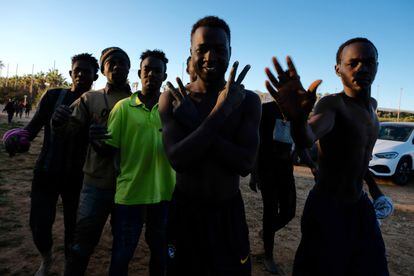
(395, 133)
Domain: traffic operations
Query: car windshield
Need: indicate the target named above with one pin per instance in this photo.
(394, 133)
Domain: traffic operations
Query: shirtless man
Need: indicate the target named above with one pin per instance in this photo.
(340, 233)
(210, 133)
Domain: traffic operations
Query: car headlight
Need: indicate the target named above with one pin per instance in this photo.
(387, 155)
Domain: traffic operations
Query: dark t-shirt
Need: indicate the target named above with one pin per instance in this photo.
(60, 154)
(270, 150)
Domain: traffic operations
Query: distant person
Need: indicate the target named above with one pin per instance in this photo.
(274, 176)
(90, 114)
(21, 109)
(16, 108)
(210, 133)
(146, 180)
(27, 109)
(9, 108)
(340, 233)
(58, 170)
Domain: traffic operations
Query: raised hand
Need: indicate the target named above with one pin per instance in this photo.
(184, 109)
(287, 90)
(98, 130)
(233, 93)
(61, 115)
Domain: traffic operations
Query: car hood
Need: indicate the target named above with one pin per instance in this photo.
(386, 146)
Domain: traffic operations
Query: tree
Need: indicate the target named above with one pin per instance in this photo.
(18, 86)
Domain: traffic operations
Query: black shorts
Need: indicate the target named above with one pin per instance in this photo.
(340, 239)
(208, 239)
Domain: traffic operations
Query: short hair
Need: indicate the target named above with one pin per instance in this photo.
(154, 53)
(350, 41)
(213, 22)
(88, 58)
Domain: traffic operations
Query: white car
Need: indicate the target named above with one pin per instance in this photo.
(393, 152)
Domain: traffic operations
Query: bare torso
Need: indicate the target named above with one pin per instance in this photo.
(229, 152)
(345, 151)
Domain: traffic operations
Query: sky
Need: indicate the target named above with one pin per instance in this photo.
(48, 33)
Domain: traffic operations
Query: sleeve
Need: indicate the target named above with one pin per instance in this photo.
(115, 126)
(40, 118)
(80, 114)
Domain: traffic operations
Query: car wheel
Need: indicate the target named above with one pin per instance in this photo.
(402, 172)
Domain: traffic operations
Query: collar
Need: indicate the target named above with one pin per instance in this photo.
(134, 100)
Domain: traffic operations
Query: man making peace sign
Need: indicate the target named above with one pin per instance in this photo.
(210, 133)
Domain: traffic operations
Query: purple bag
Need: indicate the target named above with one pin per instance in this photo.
(16, 141)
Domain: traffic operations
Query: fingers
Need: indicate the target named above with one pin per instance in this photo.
(314, 86)
(175, 93)
(278, 68)
(98, 132)
(271, 77)
(181, 88)
(243, 74)
(272, 91)
(233, 72)
(291, 68)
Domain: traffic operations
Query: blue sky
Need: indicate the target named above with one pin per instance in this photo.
(44, 32)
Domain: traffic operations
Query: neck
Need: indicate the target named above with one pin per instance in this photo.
(149, 93)
(149, 99)
(117, 86)
(78, 89)
(363, 95)
(201, 86)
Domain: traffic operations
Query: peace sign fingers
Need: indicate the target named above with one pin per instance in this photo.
(243, 74)
(174, 92)
(232, 74)
(181, 88)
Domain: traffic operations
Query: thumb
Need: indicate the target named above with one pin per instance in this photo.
(314, 86)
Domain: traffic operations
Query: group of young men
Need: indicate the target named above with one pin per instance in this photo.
(173, 162)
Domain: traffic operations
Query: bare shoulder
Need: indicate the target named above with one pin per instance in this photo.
(164, 101)
(252, 99)
(328, 103)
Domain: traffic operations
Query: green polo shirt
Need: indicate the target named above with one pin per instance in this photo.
(146, 175)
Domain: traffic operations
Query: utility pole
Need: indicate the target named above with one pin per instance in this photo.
(399, 106)
(31, 84)
(7, 75)
(17, 68)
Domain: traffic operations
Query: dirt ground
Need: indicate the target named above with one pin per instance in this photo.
(18, 255)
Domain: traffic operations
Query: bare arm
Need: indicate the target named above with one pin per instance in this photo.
(240, 155)
(184, 147)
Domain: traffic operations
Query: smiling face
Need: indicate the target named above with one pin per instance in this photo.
(358, 67)
(83, 75)
(210, 53)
